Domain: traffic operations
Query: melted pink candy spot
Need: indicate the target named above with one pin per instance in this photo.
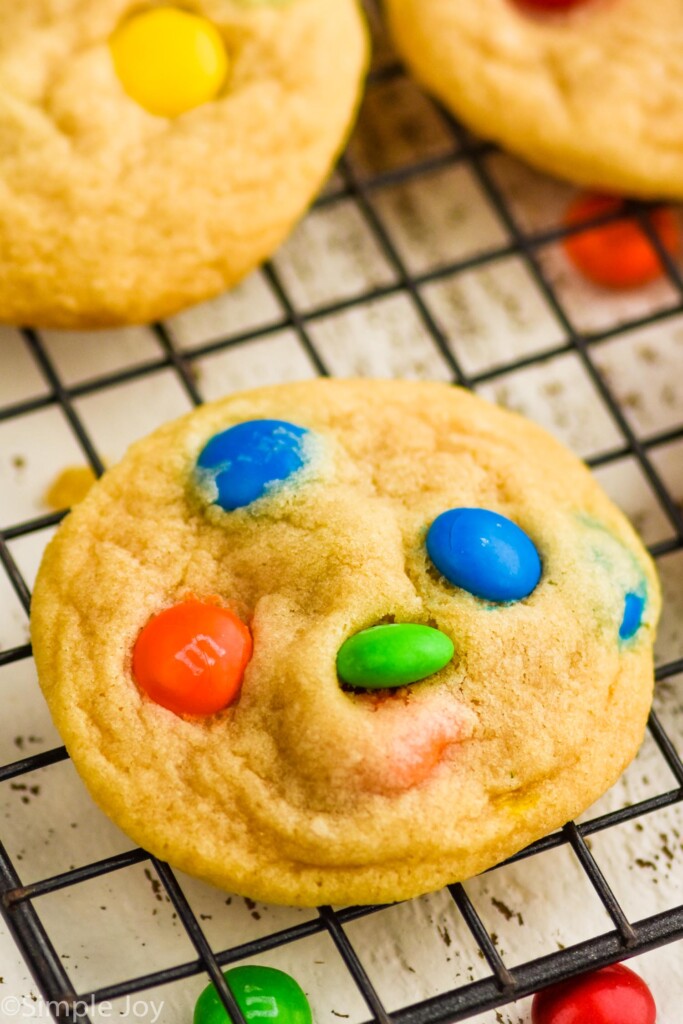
(411, 738)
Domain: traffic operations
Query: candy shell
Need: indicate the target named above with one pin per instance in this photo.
(613, 995)
(191, 658)
(262, 993)
(634, 606)
(618, 254)
(484, 553)
(245, 461)
(393, 655)
(169, 60)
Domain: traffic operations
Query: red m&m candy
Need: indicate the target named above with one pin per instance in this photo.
(619, 254)
(613, 995)
(191, 658)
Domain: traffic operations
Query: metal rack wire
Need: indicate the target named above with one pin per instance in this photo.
(504, 984)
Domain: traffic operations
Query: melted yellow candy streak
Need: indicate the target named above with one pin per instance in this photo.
(69, 487)
(169, 61)
(517, 803)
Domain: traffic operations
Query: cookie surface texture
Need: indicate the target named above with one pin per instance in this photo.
(593, 94)
(111, 214)
(304, 790)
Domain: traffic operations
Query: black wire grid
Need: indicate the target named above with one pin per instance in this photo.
(627, 938)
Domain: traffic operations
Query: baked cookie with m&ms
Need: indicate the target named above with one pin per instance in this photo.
(589, 90)
(152, 154)
(346, 641)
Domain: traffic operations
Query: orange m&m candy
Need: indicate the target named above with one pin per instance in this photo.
(191, 658)
(618, 255)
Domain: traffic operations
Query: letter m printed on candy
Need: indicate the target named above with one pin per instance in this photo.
(197, 657)
(267, 1005)
(190, 658)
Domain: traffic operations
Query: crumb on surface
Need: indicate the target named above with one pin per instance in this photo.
(69, 488)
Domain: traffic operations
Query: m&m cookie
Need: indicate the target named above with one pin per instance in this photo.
(588, 90)
(153, 154)
(346, 641)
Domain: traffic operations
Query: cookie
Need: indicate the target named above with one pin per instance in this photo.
(346, 641)
(150, 156)
(589, 90)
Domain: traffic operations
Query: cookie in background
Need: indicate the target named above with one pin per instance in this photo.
(150, 157)
(588, 90)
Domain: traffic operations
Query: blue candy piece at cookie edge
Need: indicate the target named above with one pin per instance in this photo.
(484, 553)
(634, 607)
(245, 459)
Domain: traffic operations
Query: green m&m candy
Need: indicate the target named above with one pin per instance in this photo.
(263, 994)
(394, 655)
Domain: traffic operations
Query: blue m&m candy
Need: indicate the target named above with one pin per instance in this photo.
(634, 606)
(247, 460)
(484, 553)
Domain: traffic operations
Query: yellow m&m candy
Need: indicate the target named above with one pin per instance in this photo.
(169, 61)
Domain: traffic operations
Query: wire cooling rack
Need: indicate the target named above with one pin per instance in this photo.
(430, 254)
